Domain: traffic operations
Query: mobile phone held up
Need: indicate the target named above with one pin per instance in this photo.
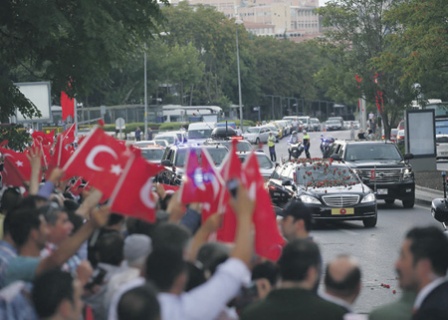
(232, 186)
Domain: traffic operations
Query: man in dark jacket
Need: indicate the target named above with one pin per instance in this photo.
(295, 297)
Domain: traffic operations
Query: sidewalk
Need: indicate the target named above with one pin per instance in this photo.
(424, 196)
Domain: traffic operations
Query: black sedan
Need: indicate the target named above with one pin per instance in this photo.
(332, 191)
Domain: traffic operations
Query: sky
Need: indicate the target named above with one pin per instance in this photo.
(322, 2)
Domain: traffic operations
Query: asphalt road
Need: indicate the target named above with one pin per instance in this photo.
(376, 248)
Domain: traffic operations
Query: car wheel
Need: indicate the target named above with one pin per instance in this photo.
(408, 204)
(369, 222)
(257, 142)
(389, 201)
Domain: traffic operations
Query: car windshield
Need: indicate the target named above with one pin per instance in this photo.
(253, 130)
(162, 143)
(152, 154)
(442, 139)
(323, 174)
(331, 122)
(217, 155)
(263, 160)
(377, 151)
(199, 134)
(170, 139)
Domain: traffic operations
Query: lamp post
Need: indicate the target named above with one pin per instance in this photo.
(146, 97)
(238, 22)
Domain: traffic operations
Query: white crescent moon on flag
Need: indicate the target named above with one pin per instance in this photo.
(199, 179)
(90, 160)
(145, 194)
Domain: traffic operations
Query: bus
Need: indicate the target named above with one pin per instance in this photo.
(178, 113)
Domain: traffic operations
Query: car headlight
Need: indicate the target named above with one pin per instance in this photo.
(309, 199)
(408, 174)
(369, 198)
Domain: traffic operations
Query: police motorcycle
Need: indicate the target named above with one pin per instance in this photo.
(295, 147)
(439, 206)
(325, 145)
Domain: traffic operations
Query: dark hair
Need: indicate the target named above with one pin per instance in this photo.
(11, 199)
(49, 290)
(170, 236)
(267, 270)
(51, 212)
(211, 254)
(114, 218)
(21, 222)
(345, 286)
(109, 248)
(138, 226)
(196, 276)
(139, 303)
(163, 267)
(299, 211)
(297, 257)
(430, 243)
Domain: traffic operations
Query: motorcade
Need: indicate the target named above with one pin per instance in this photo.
(331, 190)
(145, 143)
(152, 153)
(266, 165)
(442, 146)
(198, 132)
(256, 135)
(295, 120)
(220, 133)
(381, 166)
(171, 137)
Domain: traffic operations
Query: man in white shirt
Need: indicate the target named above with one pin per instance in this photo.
(422, 267)
(167, 270)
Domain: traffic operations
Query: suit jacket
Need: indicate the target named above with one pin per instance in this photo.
(435, 305)
(293, 303)
(397, 310)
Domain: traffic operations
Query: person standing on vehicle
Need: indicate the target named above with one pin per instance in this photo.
(271, 145)
(306, 143)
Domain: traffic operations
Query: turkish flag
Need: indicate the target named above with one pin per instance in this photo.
(202, 183)
(230, 170)
(133, 195)
(68, 106)
(99, 159)
(43, 138)
(16, 168)
(64, 147)
(268, 241)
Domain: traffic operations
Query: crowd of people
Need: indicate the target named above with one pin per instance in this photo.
(64, 256)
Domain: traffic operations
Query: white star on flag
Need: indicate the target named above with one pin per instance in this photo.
(116, 169)
(19, 163)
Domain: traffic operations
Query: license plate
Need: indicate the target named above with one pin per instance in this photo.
(342, 211)
(381, 191)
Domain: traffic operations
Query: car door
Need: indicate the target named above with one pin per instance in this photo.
(264, 133)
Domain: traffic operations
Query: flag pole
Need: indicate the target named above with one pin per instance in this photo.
(75, 117)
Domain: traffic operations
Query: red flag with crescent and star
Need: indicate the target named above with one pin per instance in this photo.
(100, 160)
(16, 168)
(133, 194)
(268, 240)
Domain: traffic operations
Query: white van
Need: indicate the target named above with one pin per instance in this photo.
(306, 123)
(198, 132)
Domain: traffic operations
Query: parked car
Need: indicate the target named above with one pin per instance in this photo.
(332, 125)
(280, 129)
(274, 130)
(381, 166)
(287, 128)
(315, 124)
(338, 118)
(442, 146)
(256, 135)
(331, 190)
(266, 165)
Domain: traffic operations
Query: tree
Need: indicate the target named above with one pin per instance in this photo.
(68, 41)
(357, 31)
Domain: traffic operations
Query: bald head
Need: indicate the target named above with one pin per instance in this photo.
(343, 278)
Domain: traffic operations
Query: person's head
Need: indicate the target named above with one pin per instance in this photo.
(304, 131)
(423, 257)
(270, 133)
(139, 303)
(27, 224)
(168, 270)
(171, 236)
(211, 254)
(59, 225)
(294, 133)
(297, 220)
(137, 247)
(10, 199)
(109, 248)
(115, 221)
(300, 264)
(266, 270)
(343, 278)
(57, 295)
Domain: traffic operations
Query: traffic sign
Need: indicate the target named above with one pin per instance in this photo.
(120, 124)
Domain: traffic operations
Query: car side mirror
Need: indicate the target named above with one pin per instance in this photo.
(166, 163)
(408, 156)
(336, 157)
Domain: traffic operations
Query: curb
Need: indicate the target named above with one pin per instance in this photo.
(424, 196)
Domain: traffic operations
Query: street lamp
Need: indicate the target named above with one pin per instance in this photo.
(238, 22)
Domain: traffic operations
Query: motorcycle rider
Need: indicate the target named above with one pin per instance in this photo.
(293, 140)
(306, 143)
